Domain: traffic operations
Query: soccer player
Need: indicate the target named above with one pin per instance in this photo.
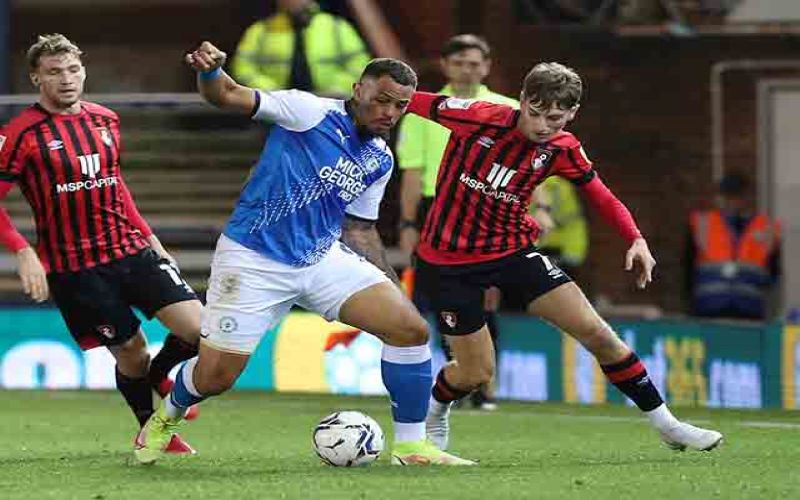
(95, 253)
(478, 234)
(465, 62)
(303, 232)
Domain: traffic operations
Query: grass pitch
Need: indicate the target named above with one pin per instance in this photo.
(256, 445)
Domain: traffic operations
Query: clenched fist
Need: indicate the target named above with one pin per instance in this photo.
(207, 57)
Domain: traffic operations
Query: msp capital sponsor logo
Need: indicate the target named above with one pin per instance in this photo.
(71, 187)
(497, 179)
(90, 165)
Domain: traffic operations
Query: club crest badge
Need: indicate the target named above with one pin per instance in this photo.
(105, 136)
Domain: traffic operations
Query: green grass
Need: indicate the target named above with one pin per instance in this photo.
(253, 445)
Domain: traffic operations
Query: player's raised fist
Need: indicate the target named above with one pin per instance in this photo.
(206, 57)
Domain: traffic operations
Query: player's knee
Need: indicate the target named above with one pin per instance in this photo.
(601, 340)
(412, 330)
(416, 331)
(132, 357)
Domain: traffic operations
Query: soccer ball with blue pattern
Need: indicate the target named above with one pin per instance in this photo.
(348, 439)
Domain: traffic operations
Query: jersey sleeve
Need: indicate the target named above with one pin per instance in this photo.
(10, 238)
(12, 155)
(462, 116)
(410, 143)
(367, 205)
(293, 110)
(573, 164)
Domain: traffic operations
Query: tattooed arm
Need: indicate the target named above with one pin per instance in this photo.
(361, 236)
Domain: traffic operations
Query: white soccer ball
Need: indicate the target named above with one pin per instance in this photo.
(348, 439)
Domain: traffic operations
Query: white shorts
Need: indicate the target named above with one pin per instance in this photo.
(249, 293)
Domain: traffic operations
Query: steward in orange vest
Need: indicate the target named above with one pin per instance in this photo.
(735, 257)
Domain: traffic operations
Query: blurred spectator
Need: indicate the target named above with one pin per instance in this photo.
(465, 63)
(558, 211)
(301, 47)
(734, 254)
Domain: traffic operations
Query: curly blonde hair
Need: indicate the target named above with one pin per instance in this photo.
(48, 45)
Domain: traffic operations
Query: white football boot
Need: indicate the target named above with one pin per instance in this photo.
(683, 436)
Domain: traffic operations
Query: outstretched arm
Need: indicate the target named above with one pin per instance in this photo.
(292, 109)
(362, 237)
(215, 85)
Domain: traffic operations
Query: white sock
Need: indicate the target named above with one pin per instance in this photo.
(438, 408)
(409, 432)
(188, 388)
(661, 418)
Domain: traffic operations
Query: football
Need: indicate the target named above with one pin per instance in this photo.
(348, 439)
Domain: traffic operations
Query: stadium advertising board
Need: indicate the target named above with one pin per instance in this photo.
(692, 363)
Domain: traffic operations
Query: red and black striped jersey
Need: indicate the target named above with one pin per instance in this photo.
(486, 179)
(67, 167)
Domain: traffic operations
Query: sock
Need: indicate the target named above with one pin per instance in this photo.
(407, 376)
(445, 393)
(173, 352)
(183, 394)
(630, 377)
(137, 393)
(661, 418)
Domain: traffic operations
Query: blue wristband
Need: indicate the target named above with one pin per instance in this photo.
(210, 75)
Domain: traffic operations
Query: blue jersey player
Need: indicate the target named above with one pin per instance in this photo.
(303, 232)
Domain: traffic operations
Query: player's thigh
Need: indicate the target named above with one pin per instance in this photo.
(527, 275)
(182, 319)
(247, 295)
(385, 312)
(346, 287)
(155, 286)
(456, 295)
(93, 307)
(567, 308)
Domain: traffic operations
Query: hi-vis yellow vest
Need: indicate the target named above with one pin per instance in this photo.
(570, 235)
(336, 54)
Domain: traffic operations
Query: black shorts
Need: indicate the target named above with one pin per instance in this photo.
(456, 291)
(96, 303)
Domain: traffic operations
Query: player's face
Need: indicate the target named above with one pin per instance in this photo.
(60, 80)
(466, 68)
(379, 103)
(539, 124)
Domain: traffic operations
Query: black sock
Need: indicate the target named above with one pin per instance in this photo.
(138, 394)
(173, 352)
(443, 392)
(630, 377)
